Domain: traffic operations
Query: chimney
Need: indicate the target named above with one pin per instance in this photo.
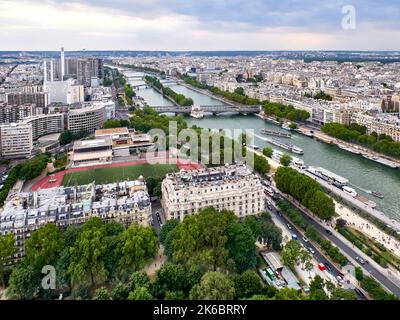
(62, 64)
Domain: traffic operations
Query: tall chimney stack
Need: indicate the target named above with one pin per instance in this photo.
(62, 64)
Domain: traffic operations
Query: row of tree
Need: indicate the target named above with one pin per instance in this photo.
(320, 95)
(68, 136)
(285, 111)
(237, 96)
(27, 170)
(177, 97)
(357, 134)
(83, 257)
(305, 190)
(373, 287)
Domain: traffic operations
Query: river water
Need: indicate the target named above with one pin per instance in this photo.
(363, 174)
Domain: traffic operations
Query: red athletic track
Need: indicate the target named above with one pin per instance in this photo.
(59, 176)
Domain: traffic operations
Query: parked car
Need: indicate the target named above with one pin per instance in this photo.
(328, 266)
(328, 231)
(289, 226)
(305, 239)
(311, 250)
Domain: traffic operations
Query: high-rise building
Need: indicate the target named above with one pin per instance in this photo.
(88, 68)
(10, 114)
(16, 140)
(62, 64)
(40, 99)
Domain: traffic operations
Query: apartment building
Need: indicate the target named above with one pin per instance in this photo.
(10, 114)
(40, 99)
(231, 187)
(381, 124)
(45, 124)
(16, 140)
(126, 202)
(87, 119)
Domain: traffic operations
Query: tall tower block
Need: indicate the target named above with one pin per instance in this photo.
(62, 64)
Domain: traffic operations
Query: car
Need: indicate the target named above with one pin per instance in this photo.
(289, 226)
(340, 279)
(328, 266)
(294, 237)
(328, 231)
(279, 213)
(360, 260)
(305, 239)
(341, 274)
(311, 250)
(161, 225)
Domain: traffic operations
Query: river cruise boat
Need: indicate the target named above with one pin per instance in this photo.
(276, 133)
(328, 176)
(343, 147)
(383, 161)
(286, 146)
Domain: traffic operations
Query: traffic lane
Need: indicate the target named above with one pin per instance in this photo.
(349, 251)
(318, 256)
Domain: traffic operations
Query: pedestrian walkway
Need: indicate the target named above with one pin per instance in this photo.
(156, 264)
(366, 227)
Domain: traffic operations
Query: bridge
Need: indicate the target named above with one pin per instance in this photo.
(216, 109)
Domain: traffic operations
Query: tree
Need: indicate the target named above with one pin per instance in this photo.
(293, 125)
(120, 291)
(87, 254)
(359, 273)
(322, 205)
(167, 228)
(247, 284)
(140, 293)
(139, 279)
(101, 294)
(44, 246)
(137, 244)
(286, 160)
(317, 289)
(174, 295)
(241, 246)
(288, 294)
(171, 277)
(343, 294)
(213, 286)
(261, 164)
(7, 251)
(23, 283)
(200, 240)
(291, 253)
(268, 152)
(240, 91)
(66, 137)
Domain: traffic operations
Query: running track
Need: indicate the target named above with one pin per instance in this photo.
(59, 176)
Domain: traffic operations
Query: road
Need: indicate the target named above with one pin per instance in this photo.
(317, 255)
(349, 251)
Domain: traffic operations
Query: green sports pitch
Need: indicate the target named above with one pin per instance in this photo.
(117, 174)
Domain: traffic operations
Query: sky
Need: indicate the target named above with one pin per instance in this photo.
(205, 25)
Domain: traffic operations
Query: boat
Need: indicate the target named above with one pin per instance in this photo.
(276, 133)
(286, 146)
(328, 176)
(253, 146)
(286, 126)
(350, 191)
(377, 194)
(196, 112)
(343, 147)
(383, 161)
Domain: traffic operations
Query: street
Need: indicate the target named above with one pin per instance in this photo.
(350, 252)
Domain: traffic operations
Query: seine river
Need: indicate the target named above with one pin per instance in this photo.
(363, 174)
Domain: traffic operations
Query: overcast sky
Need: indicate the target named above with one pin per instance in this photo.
(198, 25)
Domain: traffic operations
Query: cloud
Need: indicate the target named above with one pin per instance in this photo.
(196, 25)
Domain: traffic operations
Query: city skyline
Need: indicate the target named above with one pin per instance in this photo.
(205, 26)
